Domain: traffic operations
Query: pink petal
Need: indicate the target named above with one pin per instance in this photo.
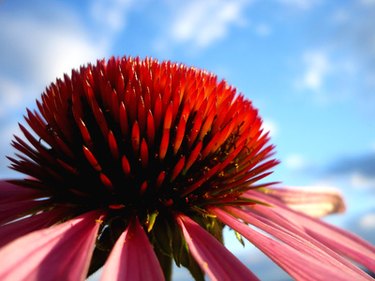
(61, 252)
(343, 242)
(132, 257)
(313, 202)
(16, 201)
(10, 192)
(24, 226)
(13, 210)
(211, 255)
(296, 256)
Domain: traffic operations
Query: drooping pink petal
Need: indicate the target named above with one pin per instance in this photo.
(16, 201)
(132, 257)
(13, 210)
(214, 259)
(341, 241)
(10, 192)
(26, 225)
(315, 202)
(61, 252)
(299, 258)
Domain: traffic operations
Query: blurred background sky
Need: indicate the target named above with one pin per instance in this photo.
(308, 65)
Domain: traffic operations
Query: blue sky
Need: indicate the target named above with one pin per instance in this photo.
(308, 65)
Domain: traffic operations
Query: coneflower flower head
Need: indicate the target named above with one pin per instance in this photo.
(147, 162)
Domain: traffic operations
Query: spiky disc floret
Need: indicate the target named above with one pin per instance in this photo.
(139, 138)
(141, 135)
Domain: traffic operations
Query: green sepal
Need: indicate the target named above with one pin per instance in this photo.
(165, 263)
(239, 238)
(151, 218)
(189, 262)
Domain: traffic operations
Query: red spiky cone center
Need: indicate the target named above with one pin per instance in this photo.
(133, 135)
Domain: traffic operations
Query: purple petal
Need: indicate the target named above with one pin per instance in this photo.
(61, 252)
(316, 202)
(16, 201)
(132, 257)
(338, 240)
(291, 253)
(211, 255)
(26, 225)
(12, 210)
(10, 192)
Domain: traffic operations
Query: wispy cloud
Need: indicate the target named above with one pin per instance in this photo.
(359, 170)
(36, 48)
(39, 52)
(111, 15)
(271, 127)
(368, 221)
(201, 23)
(367, 2)
(295, 162)
(317, 66)
(10, 95)
(363, 181)
(340, 66)
(263, 29)
(300, 4)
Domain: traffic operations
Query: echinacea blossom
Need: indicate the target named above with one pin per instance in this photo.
(132, 164)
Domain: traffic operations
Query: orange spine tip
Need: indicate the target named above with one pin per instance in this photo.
(131, 99)
(168, 117)
(177, 168)
(150, 128)
(113, 145)
(124, 124)
(67, 167)
(120, 86)
(193, 156)
(164, 144)
(88, 90)
(197, 123)
(144, 153)
(209, 147)
(84, 133)
(141, 114)
(158, 107)
(125, 165)
(207, 124)
(106, 181)
(64, 147)
(143, 187)
(91, 158)
(180, 131)
(99, 117)
(135, 137)
(160, 179)
(114, 104)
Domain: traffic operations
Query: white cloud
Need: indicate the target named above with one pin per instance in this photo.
(367, 2)
(317, 67)
(35, 50)
(295, 162)
(111, 14)
(341, 16)
(263, 29)
(39, 52)
(367, 222)
(300, 4)
(10, 95)
(271, 127)
(203, 22)
(358, 180)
